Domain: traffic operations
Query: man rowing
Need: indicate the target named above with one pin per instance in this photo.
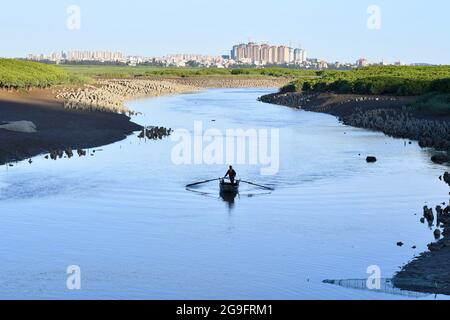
(231, 174)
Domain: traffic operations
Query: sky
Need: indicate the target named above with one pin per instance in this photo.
(402, 30)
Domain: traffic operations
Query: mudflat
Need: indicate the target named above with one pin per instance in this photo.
(56, 127)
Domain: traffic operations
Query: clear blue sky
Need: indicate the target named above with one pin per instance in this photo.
(411, 31)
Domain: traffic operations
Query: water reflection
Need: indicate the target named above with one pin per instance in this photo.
(229, 197)
(386, 286)
(127, 207)
(155, 133)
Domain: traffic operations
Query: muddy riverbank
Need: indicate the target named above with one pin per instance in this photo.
(90, 115)
(55, 126)
(111, 94)
(230, 82)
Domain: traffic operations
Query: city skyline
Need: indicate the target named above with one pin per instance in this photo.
(332, 31)
(256, 54)
(121, 56)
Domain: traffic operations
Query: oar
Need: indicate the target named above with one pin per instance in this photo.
(258, 185)
(202, 182)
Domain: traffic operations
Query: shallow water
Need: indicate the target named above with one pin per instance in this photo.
(125, 217)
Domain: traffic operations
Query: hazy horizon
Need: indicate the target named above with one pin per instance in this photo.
(410, 32)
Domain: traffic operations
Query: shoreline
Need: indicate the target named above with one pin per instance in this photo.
(84, 125)
(57, 128)
(90, 116)
(425, 273)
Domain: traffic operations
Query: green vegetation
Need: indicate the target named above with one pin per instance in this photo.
(433, 103)
(26, 74)
(431, 84)
(148, 71)
(404, 81)
(19, 74)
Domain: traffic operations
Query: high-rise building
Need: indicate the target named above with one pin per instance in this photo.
(274, 54)
(291, 55)
(361, 63)
(265, 54)
(283, 55)
(299, 56)
(94, 56)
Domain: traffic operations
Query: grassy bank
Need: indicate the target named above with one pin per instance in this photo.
(431, 84)
(17, 74)
(125, 72)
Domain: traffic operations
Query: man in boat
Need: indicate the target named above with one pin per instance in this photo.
(231, 174)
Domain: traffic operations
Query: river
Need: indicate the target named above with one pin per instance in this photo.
(123, 214)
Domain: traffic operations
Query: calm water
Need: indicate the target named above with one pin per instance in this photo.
(125, 217)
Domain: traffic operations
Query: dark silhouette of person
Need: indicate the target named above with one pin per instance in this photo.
(231, 174)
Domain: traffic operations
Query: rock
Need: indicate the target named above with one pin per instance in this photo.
(69, 153)
(440, 158)
(428, 214)
(422, 220)
(53, 155)
(371, 159)
(400, 244)
(446, 178)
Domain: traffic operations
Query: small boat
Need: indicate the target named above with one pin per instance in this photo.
(228, 187)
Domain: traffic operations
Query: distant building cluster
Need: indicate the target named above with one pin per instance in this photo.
(78, 56)
(263, 54)
(361, 63)
(193, 60)
(175, 60)
(94, 56)
(250, 54)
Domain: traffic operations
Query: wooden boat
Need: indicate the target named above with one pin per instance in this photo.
(228, 187)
